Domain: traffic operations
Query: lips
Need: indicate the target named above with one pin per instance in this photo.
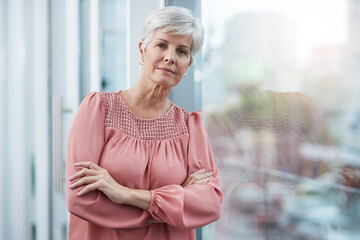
(166, 70)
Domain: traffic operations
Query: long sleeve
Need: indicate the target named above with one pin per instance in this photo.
(86, 141)
(195, 205)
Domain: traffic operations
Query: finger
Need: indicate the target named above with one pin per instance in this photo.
(203, 181)
(192, 178)
(200, 182)
(88, 188)
(187, 181)
(203, 175)
(84, 181)
(207, 180)
(88, 164)
(192, 175)
(198, 175)
(198, 172)
(82, 173)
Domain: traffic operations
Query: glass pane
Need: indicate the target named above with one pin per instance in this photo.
(113, 44)
(282, 109)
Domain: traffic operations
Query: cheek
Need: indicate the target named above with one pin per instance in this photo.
(183, 64)
(184, 68)
(150, 64)
(152, 58)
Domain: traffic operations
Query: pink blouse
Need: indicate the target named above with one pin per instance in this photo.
(152, 154)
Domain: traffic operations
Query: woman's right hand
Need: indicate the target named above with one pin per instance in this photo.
(200, 177)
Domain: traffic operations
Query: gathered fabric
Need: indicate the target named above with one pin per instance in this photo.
(150, 154)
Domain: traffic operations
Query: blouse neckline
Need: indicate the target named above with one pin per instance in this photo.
(163, 115)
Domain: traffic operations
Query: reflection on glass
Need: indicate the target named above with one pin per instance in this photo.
(290, 163)
(281, 169)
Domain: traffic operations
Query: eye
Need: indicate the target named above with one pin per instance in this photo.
(182, 52)
(161, 45)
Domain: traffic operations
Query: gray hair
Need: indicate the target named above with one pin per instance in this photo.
(175, 20)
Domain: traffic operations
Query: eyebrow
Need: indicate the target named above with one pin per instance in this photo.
(184, 46)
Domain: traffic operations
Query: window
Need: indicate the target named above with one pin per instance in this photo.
(113, 45)
(280, 95)
(103, 46)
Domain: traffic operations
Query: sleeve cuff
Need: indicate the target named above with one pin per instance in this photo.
(153, 208)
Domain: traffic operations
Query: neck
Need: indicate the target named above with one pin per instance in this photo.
(149, 96)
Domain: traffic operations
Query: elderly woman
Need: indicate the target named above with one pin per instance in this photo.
(139, 166)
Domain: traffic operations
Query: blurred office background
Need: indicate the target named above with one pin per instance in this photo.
(278, 81)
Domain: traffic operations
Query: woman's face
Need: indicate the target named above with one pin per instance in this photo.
(166, 58)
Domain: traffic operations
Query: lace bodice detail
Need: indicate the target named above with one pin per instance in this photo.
(118, 115)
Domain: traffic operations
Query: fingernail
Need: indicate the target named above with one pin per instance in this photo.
(203, 170)
(76, 164)
(78, 194)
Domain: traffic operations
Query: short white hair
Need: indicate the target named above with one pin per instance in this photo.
(174, 20)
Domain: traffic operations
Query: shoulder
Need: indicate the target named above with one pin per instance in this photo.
(189, 118)
(91, 100)
(99, 96)
(107, 96)
(105, 99)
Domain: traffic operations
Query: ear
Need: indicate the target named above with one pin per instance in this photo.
(141, 51)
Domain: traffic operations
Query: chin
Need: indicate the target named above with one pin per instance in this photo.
(166, 82)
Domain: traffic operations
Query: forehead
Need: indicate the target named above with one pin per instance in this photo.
(176, 39)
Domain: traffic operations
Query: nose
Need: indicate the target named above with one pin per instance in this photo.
(169, 57)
